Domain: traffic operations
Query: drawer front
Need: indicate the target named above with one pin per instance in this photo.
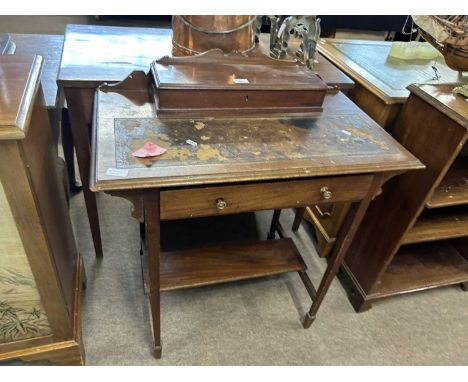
(223, 200)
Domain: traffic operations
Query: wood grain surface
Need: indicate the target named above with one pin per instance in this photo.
(190, 202)
(228, 262)
(18, 92)
(49, 47)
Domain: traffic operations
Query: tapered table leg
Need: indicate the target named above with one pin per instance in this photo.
(347, 232)
(79, 109)
(153, 240)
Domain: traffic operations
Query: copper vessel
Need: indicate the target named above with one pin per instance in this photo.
(192, 35)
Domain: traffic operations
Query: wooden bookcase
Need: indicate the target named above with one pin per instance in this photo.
(415, 234)
(380, 91)
(41, 270)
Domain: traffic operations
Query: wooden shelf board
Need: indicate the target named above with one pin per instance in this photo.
(423, 266)
(226, 262)
(453, 189)
(438, 225)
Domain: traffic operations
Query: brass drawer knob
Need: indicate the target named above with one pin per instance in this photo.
(221, 204)
(326, 193)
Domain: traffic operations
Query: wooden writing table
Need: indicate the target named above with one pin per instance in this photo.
(240, 164)
(380, 90)
(93, 55)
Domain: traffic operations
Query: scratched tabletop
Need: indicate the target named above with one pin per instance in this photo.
(340, 140)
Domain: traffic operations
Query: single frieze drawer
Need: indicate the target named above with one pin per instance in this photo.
(184, 203)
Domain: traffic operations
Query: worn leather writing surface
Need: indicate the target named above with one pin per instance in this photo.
(340, 140)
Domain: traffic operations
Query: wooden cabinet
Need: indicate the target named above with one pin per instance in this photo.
(415, 234)
(40, 268)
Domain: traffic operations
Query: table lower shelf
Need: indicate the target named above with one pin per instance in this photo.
(226, 262)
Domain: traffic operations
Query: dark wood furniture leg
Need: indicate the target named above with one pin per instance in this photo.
(68, 151)
(298, 218)
(78, 101)
(347, 232)
(153, 240)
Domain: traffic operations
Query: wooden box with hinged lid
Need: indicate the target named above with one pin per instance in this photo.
(214, 83)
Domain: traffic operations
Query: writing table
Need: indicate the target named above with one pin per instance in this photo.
(93, 55)
(238, 164)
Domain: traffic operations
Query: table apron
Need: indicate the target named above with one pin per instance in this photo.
(194, 202)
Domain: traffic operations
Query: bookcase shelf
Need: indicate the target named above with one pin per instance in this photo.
(453, 189)
(439, 224)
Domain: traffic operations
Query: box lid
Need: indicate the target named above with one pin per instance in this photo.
(215, 70)
(19, 81)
